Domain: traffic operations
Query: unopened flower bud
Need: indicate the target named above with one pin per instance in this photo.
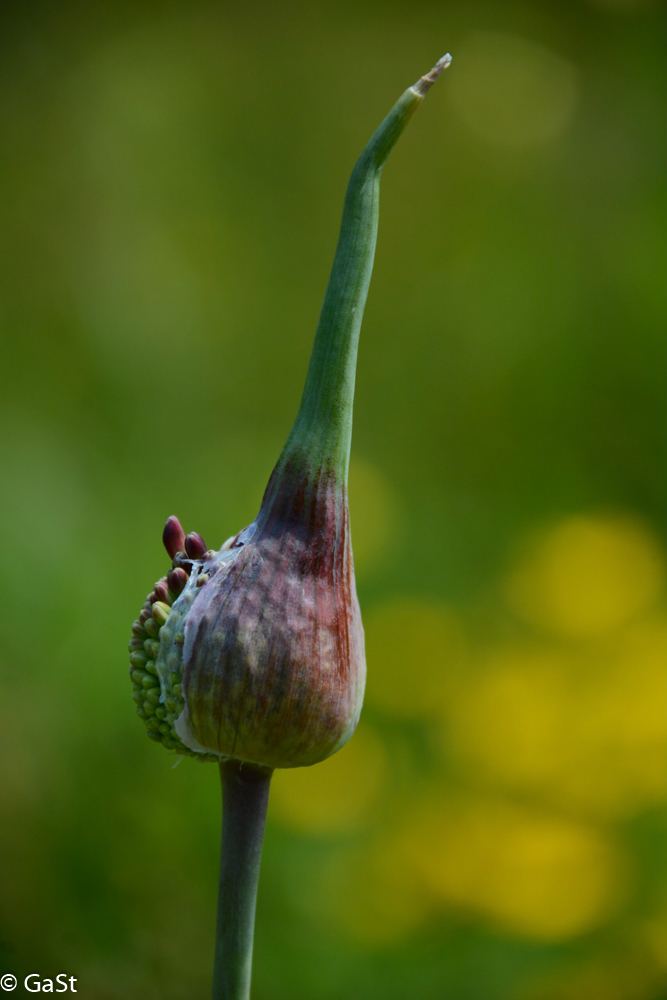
(162, 593)
(195, 546)
(260, 648)
(173, 536)
(161, 612)
(152, 628)
(177, 579)
(181, 561)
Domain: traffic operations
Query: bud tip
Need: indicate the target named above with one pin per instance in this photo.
(427, 81)
(173, 536)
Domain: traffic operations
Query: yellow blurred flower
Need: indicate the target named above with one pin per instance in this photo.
(415, 651)
(583, 730)
(577, 725)
(510, 721)
(531, 873)
(588, 575)
(339, 794)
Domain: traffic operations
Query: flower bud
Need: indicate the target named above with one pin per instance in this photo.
(273, 658)
(162, 592)
(195, 546)
(176, 580)
(256, 652)
(161, 612)
(173, 536)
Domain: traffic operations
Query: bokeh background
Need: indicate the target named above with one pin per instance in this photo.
(172, 177)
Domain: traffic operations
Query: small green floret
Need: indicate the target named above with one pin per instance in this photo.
(157, 630)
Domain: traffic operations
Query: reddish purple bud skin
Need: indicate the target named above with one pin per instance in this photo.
(144, 615)
(135, 644)
(139, 631)
(177, 579)
(162, 593)
(274, 666)
(173, 536)
(195, 546)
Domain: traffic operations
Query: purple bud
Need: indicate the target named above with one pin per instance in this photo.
(264, 662)
(195, 546)
(177, 579)
(173, 536)
(162, 593)
(273, 662)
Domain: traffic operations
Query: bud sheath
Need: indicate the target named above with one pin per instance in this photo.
(273, 663)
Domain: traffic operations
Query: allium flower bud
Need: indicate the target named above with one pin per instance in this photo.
(256, 652)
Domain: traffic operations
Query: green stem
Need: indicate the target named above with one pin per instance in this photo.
(323, 426)
(245, 796)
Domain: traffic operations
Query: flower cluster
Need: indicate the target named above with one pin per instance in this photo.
(158, 692)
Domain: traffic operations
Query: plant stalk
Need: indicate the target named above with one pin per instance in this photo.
(245, 796)
(323, 426)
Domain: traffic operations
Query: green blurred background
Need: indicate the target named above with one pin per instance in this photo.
(172, 177)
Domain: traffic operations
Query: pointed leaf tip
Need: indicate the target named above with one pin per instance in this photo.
(427, 81)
